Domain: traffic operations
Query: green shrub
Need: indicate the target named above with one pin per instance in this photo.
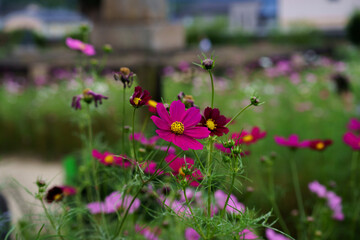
(353, 28)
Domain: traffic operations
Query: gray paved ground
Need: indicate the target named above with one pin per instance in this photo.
(25, 171)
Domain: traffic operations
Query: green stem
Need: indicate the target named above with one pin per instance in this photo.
(212, 89)
(272, 197)
(134, 147)
(229, 193)
(295, 179)
(123, 122)
(238, 114)
(209, 163)
(51, 220)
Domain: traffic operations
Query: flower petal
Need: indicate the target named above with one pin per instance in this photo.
(166, 135)
(197, 132)
(191, 117)
(160, 123)
(185, 143)
(163, 113)
(177, 110)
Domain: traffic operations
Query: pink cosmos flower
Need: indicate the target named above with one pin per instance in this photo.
(179, 166)
(150, 142)
(76, 44)
(272, 235)
(88, 96)
(180, 127)
(113, 203)
(178, 207)
(147, 232)
(334, 203)
(352, 140)
(107, 159)
(150, 167)
(354, 125)
(247, 234)
(293, 142)
(318, 189)
(233, 206)
(191, 234)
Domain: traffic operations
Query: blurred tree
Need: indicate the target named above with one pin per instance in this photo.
(353, 28)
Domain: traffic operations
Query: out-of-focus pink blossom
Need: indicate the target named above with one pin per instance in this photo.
(233, 205)
(150, 142)
(272, 235)
(353, 125)
(191, 234)
(246, 234)
(292, 142)
(147, 232)
(76, 44)
(318, 189)
(352, 140)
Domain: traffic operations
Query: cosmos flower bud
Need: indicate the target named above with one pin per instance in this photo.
(229, 143)
(255, 101)
(107, 48)
(236, 150)
(40, 183)
(208, 64)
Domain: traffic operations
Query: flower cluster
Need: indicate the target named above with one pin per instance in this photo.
(333, 200)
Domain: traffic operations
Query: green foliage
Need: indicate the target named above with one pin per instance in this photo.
(353, 28)
(297, 35)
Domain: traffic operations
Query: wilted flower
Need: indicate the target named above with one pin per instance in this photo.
(125, 76)
(292, 142)
(188, 100)
(214, 122)
(54, 194)
(185, 168)
(107, 158)
(113, 203)
(319, 145)
(76, 44)
(180, 127)
(352, 140)
(140, 97)
(88, 96)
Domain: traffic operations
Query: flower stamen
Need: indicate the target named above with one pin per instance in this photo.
(109, 159)
(211, 124)
(177, 128)
(320, 146)
(248, 138)
(137, 100)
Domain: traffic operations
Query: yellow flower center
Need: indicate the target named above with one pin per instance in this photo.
(152, 103)
(248, 138)
(125, 71)
(211, 124)
(137, 100)
(109, 159)
(181, 172)
(320, 146)
(57, 197)
(177, 127)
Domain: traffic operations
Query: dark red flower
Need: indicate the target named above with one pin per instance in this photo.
(140, 97)
(319, 145)
(214, 121)
(54, 194)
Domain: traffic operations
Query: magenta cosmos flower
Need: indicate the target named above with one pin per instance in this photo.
(147, 232)
(246, 234)
(352, 140)
(354, 125)
(191, 234)
(76, 44)
(214, 122)
(140, 97)
(180, 127)
(179, 166)
(150, 142)
(88, 96)
(248, 137)
(319, 145)
(107, 159)
(113, 203)
(293, 142)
